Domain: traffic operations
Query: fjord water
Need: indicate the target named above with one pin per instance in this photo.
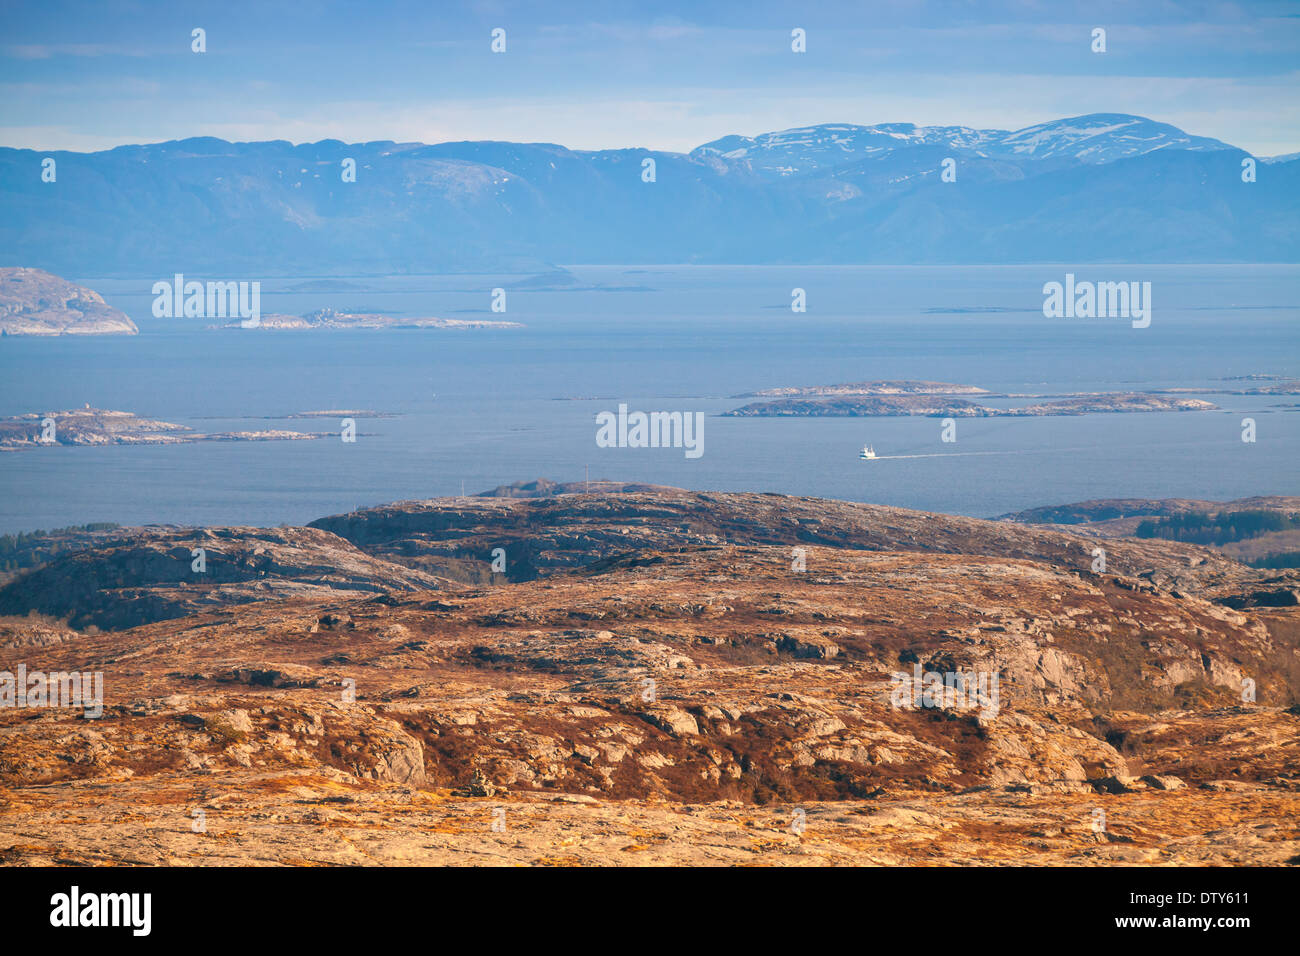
(487, 407)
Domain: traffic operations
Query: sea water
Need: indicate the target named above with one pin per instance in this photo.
(479, 407)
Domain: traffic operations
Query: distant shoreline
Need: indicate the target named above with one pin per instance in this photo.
(943, 399)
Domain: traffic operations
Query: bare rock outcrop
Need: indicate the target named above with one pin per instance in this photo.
(680, 683)
(545, 535)
(135, 576)
(34, 302)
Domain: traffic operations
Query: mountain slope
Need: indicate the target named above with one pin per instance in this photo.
(1095, 188)
(1095, 138)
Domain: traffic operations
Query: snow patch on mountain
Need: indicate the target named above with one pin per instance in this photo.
(1093, 139)
(1102, 138)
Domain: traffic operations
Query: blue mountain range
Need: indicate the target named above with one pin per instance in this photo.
(1096, 188)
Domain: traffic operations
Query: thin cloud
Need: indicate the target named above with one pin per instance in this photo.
(48, 51)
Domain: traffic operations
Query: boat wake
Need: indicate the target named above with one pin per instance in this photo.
(960, 454)
(952, 454)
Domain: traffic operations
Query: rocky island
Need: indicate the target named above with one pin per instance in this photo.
(100, 426)
(937, 399)
(655, 676)
(330, 319)
(34, 302)
(866, 388)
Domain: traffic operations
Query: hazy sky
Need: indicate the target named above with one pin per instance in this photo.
(664, 75)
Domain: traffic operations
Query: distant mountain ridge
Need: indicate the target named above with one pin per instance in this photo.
(1097, 138)
(1097, 188)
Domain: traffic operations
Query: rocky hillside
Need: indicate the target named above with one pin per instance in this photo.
(667, 679)
(545, 488)
(556, 533)
(33, 302)
(134, 576)
(1263, 531)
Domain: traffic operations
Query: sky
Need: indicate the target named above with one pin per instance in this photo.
(666, 75)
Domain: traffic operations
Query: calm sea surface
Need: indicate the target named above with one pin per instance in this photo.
(490, 407)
